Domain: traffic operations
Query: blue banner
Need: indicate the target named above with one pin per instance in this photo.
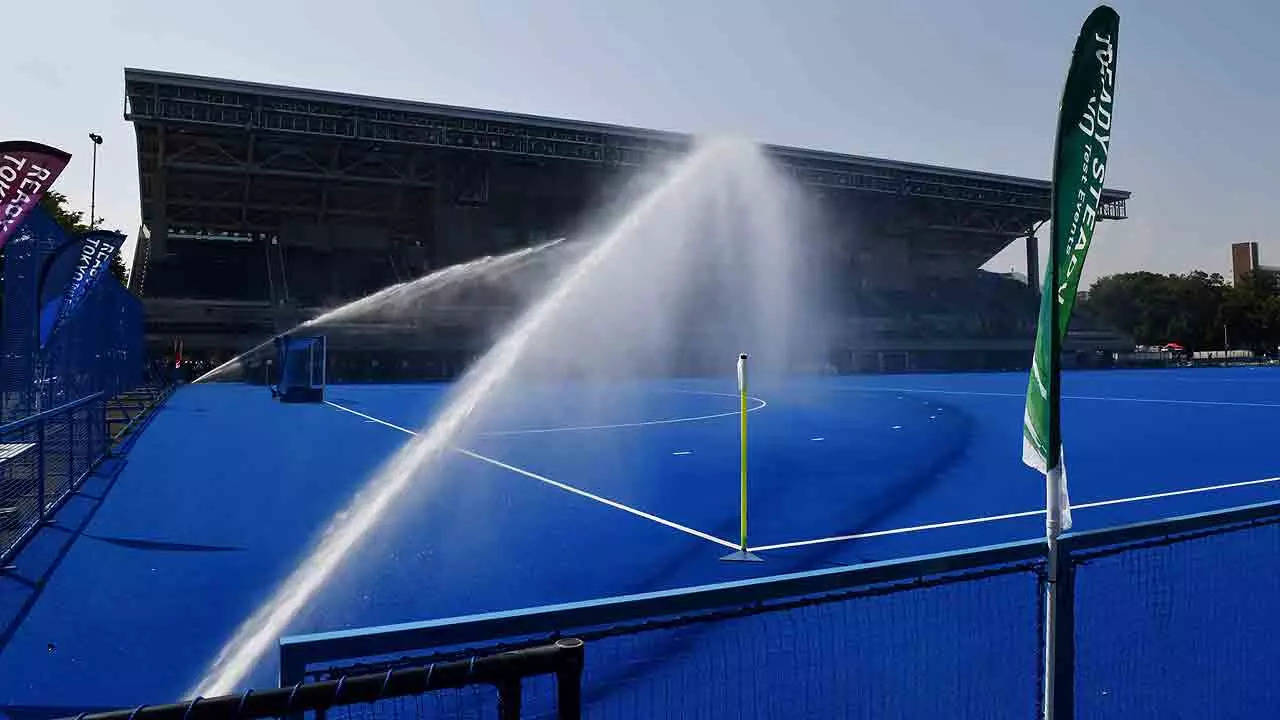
(56, 269)
(70, 273)
(24, 257)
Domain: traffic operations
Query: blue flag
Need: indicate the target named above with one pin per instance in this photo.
(70, 273)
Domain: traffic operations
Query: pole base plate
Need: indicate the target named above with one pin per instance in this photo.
(742, 556)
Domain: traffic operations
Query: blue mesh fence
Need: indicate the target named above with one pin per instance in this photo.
(24, 255)
(1180, 626)
(1173, 618)
(98, 350)
(966, 646)
(929, 638)
(53, 398)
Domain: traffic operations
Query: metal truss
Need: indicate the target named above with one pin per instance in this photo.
(240, 163)
(315, 136)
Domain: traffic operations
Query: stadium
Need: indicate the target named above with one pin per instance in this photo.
(263, 204)
(408, 410)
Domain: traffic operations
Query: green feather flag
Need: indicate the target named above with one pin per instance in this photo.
(1079, 168)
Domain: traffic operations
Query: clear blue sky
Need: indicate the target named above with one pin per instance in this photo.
(964, 83)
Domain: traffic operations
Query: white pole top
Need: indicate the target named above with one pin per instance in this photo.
(742, 372)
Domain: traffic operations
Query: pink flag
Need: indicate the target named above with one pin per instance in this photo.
(27, 169)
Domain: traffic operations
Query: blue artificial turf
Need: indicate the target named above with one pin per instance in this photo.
(133, 591)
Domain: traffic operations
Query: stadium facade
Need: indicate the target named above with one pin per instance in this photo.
(262, 204)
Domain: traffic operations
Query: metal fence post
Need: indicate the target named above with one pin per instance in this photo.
(40, 450)
(90, 421)
(569, 681)
(98, 426)
(71, 448)
(509, 698)
(1065, 656)
(293, 668)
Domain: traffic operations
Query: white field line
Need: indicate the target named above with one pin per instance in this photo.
(825, 540)
(670, 421)
(1172, 493)
(760, 405)
(1098, 398)
(895, 531)
(599, 499)
(554, 483)
(1007, 516)
(370, 418)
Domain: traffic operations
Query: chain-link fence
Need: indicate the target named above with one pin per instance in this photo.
(97, 349)
(54, 390)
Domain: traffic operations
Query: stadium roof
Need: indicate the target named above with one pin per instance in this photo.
(155, 97)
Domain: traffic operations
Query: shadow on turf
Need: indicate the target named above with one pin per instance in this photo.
(22, 584)
(161, 545)
(25, 582)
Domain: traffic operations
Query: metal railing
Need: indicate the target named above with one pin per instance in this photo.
(134, 408)
(503, 671)
(43, 459)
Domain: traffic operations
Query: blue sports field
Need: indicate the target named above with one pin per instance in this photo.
(127, 597)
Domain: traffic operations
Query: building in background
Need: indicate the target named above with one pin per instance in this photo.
(1244, 261)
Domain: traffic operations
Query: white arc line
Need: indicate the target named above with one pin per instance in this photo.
(1008, 516)
(569, 428)
(760, 405)
(554, 483)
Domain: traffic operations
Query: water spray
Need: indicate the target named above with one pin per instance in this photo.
(260, 631)
(719, 227)
(430, 282)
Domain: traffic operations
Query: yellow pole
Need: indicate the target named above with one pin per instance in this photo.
(742, 555)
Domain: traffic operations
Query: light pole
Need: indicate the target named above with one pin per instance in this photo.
(93, 179)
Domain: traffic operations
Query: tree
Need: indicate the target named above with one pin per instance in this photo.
(58, 207)
(1190, 309)
(1250, 313)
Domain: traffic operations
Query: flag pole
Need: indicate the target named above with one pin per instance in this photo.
(1082, 147)
(1053, 528)
(741, 554)
(1052, 484)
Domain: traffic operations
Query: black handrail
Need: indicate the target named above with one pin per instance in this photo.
(159, 398)
(564, 659)
(46, 414)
